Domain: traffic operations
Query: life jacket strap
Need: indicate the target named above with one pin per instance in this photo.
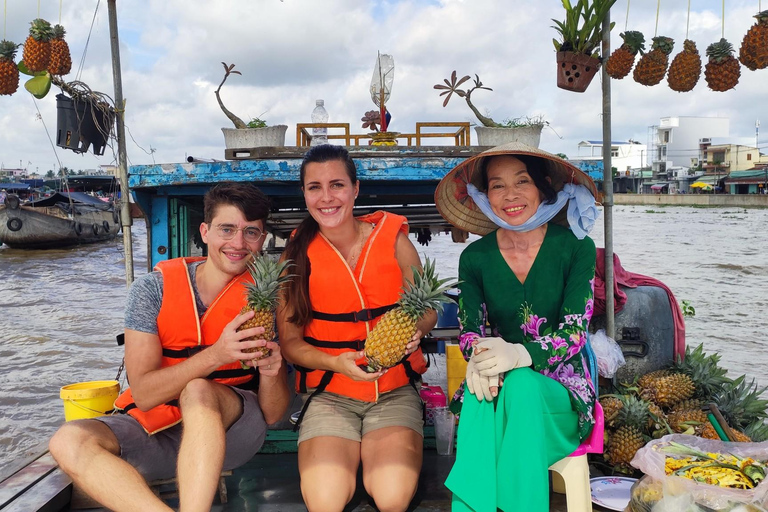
(353, 344)
(364, 315)
(183, 353)
(324, 381)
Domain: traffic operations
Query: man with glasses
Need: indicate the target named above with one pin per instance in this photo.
(191, 409)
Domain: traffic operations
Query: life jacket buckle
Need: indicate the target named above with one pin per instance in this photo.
(364, 315)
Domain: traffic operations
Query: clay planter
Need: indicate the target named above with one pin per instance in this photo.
(491, 136)
(575, 70)
(271, 136)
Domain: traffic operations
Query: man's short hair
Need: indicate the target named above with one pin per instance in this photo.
(243, 196)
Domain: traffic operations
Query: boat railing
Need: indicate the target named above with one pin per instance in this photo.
(458, 131)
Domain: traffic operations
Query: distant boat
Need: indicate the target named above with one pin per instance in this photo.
(60, 220)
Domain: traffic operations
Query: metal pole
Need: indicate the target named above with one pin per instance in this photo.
(125, 207)
(610, 328)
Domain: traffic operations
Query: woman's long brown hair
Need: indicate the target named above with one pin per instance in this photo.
(297, 290)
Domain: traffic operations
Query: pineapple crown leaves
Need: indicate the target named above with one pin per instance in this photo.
(762, 17)
(634, 412)
(269, 276)
(8, 49)
(741, 403)
(40, 30)
(690, 47)
(704, 370)
(720, 51)
(425, 292)
(634, 40)
(59, 32)
(757, 431)
(663, 43)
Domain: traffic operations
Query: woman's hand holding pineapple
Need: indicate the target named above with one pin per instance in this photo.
(347, 364)
(268, 366)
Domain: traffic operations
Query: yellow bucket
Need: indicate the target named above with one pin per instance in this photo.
(89, 399)
(456, 367)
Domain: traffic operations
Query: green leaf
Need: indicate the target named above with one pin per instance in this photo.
(39, 85)
(23, 68)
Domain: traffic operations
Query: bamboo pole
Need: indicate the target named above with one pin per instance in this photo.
(125, 207)
(610, 327)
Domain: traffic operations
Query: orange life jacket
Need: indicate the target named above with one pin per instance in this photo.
(347, 304)
(183, 334)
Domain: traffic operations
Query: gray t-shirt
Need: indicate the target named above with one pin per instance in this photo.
(145, 297)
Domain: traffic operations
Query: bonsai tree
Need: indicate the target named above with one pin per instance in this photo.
(452, 87)
(239, 123)
(581, 30)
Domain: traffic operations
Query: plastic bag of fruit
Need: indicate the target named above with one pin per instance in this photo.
(702, 474)
(609, 355)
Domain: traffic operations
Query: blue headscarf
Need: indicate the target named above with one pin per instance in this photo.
(582, 212)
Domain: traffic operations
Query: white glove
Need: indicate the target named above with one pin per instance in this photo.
(497, 356)
(480, 385)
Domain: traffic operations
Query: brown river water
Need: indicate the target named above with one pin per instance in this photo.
(61, 309)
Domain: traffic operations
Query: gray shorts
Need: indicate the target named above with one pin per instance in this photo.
(154, 457)
(335, 415)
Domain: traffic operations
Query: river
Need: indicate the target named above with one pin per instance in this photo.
(61, 309)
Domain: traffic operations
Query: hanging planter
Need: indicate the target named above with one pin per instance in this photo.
(578, 55)
(83, 123)
(575, 71)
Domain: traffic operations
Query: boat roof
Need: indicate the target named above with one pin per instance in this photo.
(64, 197)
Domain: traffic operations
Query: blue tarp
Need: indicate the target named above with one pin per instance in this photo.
(14, 186)
(63, 197)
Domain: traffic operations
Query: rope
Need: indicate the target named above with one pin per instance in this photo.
(658, 7)
(626, 20)
(88, 40)
(38, 8)
(723, 22)
(688, 19)
(61, 2)
(5, 18)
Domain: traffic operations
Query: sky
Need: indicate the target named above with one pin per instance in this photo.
(292, 52)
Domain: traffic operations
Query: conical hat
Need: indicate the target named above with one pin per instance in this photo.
(458, 208)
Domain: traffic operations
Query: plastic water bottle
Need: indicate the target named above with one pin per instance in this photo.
(319, 115)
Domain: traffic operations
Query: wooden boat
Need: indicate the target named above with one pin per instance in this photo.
(60, 220)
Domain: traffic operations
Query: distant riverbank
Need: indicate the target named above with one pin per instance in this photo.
(714, 200)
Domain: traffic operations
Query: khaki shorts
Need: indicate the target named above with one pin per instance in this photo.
(334, 415)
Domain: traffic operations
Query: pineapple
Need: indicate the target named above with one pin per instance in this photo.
(61, 60)
(621, 60)
(611, 407)
(645, 381)
(630, 437)
(741, 403)
(754, 47)
(707, 376)
(37, 48)
(9, 73)
(263, 296)
(385, 345)
(657, 417)
(669, 390)
(651, 67)
(685, 70)
(722, 72)
(681, 418)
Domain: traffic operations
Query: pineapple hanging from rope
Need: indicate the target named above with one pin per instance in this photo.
(623, 58)
(754, 47)
(652, 66)
(9, 73)
(685, 70)
(37, 47)
(385, 345)
(722, 71)
(61, 60)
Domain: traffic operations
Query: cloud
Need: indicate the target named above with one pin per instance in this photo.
(293, 52)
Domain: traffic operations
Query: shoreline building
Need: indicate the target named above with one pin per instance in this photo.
(627, 157)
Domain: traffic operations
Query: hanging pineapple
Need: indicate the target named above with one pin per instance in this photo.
(651, 67)
(685, 70)
(385, 345)
(754, 48)
(9, 73)
(263, 297)
(722, 72)
(61, 60)
(37, 48)
(621, 60)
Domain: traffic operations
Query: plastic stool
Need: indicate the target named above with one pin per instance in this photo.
(571, 474)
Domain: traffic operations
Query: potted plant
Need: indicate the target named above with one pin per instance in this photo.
(253, 134)
(526, 130)
(578, 55)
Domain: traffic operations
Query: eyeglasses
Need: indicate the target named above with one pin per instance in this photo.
(251, 234)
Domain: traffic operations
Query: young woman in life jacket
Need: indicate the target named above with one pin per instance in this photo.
(349, 271)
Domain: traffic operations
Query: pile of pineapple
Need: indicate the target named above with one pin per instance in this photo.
(673, 400)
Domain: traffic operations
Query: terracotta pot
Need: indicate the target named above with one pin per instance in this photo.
(575, 71)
